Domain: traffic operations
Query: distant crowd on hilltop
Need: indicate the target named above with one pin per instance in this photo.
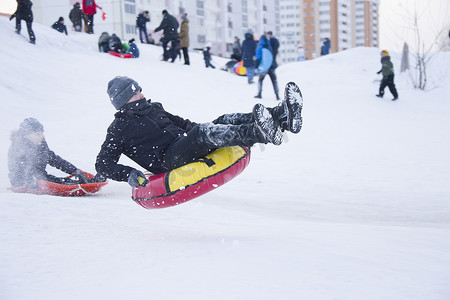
(247, 58)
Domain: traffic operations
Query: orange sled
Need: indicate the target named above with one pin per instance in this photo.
(56, 189)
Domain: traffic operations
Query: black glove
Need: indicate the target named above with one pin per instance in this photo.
(12, 17)
(81, 176)
(137, 178)
(97, 178)
(379, 72)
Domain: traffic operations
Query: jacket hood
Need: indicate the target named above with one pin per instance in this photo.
(248, 36)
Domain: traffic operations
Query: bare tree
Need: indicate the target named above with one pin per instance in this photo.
(423, 52)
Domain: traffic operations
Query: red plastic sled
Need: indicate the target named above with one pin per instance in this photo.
(121, 55)
(192, 180)
(56, 189)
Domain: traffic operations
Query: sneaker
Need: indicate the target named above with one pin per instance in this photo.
(258, 96)
(266, 124)
(292, 107)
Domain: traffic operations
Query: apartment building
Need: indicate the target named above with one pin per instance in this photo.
(305, 23)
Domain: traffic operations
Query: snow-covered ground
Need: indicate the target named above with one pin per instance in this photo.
(356, 206)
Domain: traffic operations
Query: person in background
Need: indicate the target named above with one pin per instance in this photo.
(29, 156)
(133, 50)
(169, 25)
(206, 55)
(103, 42)
(237, 49)
(115, 44)
(387, 68)
(59, 25)
(264, 43)
(141, 24)
(76, 16)
(248, 56)
(24, 12)
(184, 38)
(89, 10)
(150, 39)
(325, 48)
(274, 44)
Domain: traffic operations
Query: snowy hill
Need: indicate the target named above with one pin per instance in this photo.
(356, 206)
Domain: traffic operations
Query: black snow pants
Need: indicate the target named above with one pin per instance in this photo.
(228, 130)
(273, 78)
(29, 28)
(389, 82)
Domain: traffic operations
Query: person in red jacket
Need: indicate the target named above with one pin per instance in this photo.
(90, 9)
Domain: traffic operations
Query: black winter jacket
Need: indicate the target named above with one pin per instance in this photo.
(142, 131)
(141, 21)
(60, 27)
(248, 50)
(23, 11)
(76, 14)
(170, 25)
(27, 161)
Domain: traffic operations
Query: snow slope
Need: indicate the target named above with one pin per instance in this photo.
(356, 206)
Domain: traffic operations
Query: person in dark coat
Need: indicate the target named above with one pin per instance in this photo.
(115, 44)
(159, 141)
(275, 45)
(23, 12)
(237, 49)
(248, 55)
(325, 48)
(133, 48)
(264, 43)
(89, 10)
(141, 24)
(184, 38)
(206, 51)
(169, 25)
(59, 25)
(103, 42)
(76, 16)
(387, 68)
(29, 156)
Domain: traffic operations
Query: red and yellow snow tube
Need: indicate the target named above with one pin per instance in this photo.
(192, 180)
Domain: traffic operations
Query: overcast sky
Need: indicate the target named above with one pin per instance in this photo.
(395, 20)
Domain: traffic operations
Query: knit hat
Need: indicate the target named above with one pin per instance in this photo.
(121, 89)
(30, 125)
(184, 17)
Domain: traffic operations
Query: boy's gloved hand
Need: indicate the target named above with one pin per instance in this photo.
(137, 178)
(81, 176)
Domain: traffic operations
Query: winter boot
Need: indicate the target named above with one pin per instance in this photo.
(379, 96)
(268, 127)
(258, 96)
(289, 111)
